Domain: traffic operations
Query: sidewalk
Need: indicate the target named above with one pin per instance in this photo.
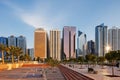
(101, 75)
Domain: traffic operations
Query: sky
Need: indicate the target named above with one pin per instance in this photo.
(22, 17)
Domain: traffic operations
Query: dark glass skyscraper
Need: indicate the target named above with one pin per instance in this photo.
(69, 34)
(100, 40)
(91, 47)
(21, 42)
(4, 41)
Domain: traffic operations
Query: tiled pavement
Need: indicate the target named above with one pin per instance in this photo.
(22, 74)
(31, 73)
(101, 75)
(54, 74)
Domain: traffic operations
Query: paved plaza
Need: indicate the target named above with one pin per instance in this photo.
(101, 75)
(24, 73)
(31, 73)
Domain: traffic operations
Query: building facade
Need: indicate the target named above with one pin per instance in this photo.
(91, 47)
(21, 42)
(40, 43)
(69, 35)
(114, 38)
(31, 53)
(100, 40)
(55, 44)
(12, 41)
(81, 44)
(4, 41)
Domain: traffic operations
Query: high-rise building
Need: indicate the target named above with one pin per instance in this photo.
(21, 42)
(81, 44)
(3, 40)
(69, 34)
(100, 40)
(55, 44)
(12, 41)
(31, 53)
(40, 43)
(91, 47)
(114, 38)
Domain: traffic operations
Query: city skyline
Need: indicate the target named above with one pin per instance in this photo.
(19, 18)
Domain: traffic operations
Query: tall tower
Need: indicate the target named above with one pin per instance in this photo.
(81, 44)
(69, 34)
(40, 43)
(100, 40)
(55, 44)
(3, 40)
(12, 41)
(114, 38)
(91, 47)
(21, 42)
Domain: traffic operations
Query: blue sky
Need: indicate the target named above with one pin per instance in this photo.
(21, 17)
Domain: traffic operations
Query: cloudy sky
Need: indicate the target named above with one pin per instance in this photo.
(21, 17)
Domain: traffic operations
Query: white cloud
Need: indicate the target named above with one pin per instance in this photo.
(39, 15)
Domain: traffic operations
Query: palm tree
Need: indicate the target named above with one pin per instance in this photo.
(2, 49)
(12, 52)
(18, 52)
(7, 52)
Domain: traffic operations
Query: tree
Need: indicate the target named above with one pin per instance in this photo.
(39, 59)
(101, 60)
(112, 56)
(90, 58)
(81, 60)
(118, 54)
(2, 49)
(7, 52)
(25, 57)
(12, 52)
(72, 60)
(53, 63)
(18, 52)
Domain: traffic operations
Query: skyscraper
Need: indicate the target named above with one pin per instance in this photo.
(81, 44)
(69, 34)
(3, 40)
(31, 53)
(21, 42)
(100, 40)
(91, 47)
(12, 41)
(114, 38)
(55, 44)
(40, 43)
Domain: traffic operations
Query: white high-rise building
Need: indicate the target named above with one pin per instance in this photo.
(21, 42)
(81, 44)
(114, 38)
(55, 44)
(100, 40)
(12, 41)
